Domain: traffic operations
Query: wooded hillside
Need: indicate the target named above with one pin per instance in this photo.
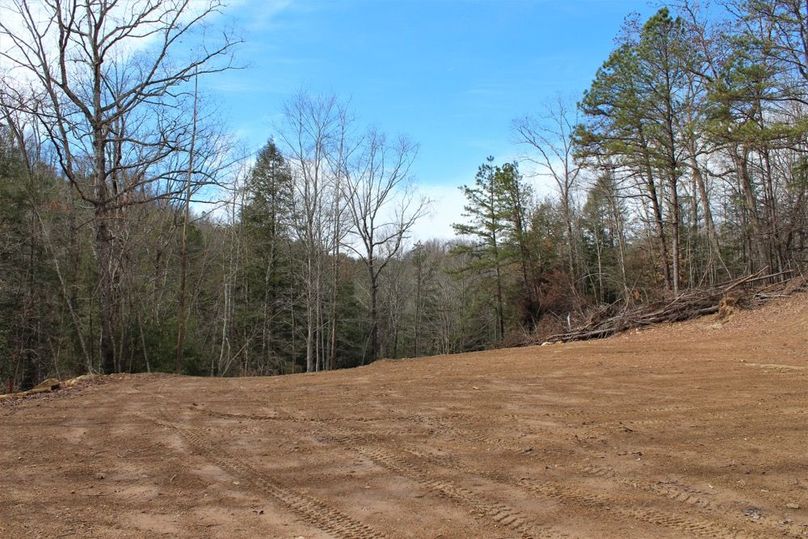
(135, 235)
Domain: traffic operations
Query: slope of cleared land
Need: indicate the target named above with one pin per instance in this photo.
(690, 430)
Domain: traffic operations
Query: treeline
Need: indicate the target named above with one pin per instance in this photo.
(133, 236)
(684, 165)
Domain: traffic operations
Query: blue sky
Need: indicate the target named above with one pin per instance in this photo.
(449, 74)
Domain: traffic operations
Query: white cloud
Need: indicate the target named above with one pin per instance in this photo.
(123, 13)
(447, 201)
(446, 208)
(260, 15)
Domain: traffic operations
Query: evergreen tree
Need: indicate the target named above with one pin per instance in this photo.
(269, 279)
(490, 213)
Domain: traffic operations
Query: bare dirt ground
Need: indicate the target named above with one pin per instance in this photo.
(689, 430)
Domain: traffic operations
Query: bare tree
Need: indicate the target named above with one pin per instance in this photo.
(383, 209)
(551, 139)
(186, 212)
(340, 225)
(113, 100)
(312, 134)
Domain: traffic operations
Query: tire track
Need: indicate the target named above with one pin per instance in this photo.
(440, 425)
(498, 514)
(704, 419)
(565, 495)
(689, 496)
(501, 515)
(310, 509)
(692, 497)
(251, 417)
(688, 526)
(294, 418)
(600, 505)
(691, 526)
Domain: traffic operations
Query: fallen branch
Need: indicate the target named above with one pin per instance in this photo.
(690, 304)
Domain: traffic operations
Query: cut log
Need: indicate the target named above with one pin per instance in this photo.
(51, 384)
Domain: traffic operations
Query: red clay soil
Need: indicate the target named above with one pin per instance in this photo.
(697, 429)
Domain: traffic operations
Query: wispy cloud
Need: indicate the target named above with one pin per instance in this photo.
(122, 14)
(446, 207)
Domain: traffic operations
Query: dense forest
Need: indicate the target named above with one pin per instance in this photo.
(135, 235)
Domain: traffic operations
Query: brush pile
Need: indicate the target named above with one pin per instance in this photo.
(745, 292)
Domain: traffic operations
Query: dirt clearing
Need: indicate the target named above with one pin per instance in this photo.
(691, 430)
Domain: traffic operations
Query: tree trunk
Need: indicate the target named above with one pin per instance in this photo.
(660, 227)
(570, 243)
(181, 309)
(310, 318)
(750, 203)
(621, 244)
(712, 236)
(374, 313)
(658, 221)
(106, 294)
(500, 305)
(418, 284)
(676, 210)
(775, 252)
(332, 347)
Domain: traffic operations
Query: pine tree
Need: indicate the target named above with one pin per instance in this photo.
(489, 225)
